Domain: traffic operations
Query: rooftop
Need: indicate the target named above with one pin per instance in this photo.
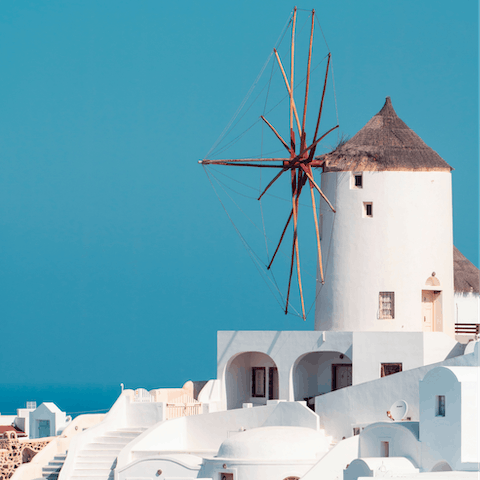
(385, 143)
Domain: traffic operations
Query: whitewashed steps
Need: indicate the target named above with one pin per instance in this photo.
(52, 469)
(99, 458)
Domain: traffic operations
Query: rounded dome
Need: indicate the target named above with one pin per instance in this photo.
(275, 443)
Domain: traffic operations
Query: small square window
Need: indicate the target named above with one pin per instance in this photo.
(440, 406)
(390, 368)
(356, 431)
(258, 382)
(357, 180)
(386, 305)
(367, 209)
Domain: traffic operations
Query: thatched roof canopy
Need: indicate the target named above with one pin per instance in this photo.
(466, 276)
(384, 143)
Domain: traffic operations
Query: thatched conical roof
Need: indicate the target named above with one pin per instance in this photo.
(466, 276)
(384, 143)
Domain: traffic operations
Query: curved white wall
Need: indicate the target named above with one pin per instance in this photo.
(396, 250)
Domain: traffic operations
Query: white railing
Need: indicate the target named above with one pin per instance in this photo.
(142, 396)
(175, 410)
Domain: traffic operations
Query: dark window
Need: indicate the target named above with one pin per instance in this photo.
(384, 449)
(368, 210)
(358, 181)
(390, 369)
(440, 406)
(258, 382)
(272, 378)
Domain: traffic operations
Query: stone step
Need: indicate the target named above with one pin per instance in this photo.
(91, 477)
(98, 453)
(49, 469)
(118, 441)
(92, 471)
(85, 462)
(105, 446)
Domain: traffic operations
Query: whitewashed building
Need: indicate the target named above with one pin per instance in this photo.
(381, 387)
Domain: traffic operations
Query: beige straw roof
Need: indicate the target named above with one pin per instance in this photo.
(384, 143)
(466, 276)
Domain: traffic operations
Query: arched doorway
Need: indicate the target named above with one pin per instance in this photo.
(317, 373)
(251, 377)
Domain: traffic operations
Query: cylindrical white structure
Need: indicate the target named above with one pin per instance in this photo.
(388, 249)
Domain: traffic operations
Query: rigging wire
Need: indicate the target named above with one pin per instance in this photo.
(247, 96)
(222, 185)
(250, 251)
(268, 194)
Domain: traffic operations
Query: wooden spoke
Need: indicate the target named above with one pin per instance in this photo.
(294, 243)
(308, 73)
(281, 238)
(243, 160)
(276, 133)
(290, 93)
(319, 248)
(291, 270)
(323, 97)
(297, 250)
(277, 176)
(292, 67)
(310, 177)
(258, 165)
(313, 145)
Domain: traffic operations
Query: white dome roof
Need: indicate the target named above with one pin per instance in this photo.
(275, 443)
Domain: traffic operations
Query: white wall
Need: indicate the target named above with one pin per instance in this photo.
(368, 402)
(238, 378)
(441, 435)
(172, 467)
(454, 437)
(467, 307)
(411, 349)
(401, 436)
(284, 348)
(203, 434)
(43, 413)
(408, 238)
(312, 374)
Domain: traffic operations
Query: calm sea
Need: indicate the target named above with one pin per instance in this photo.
(72, 399)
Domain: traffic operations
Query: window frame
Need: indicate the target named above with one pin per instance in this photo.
(262, 388)
(381, 300)
(356, 175)
(365, 209)
(440, 405)
(390, 364)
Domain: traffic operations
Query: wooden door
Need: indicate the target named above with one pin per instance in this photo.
(341, 376)
(427, 311)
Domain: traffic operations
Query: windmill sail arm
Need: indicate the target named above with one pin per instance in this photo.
(231, 161)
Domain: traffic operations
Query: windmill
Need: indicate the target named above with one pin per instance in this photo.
(299, 163)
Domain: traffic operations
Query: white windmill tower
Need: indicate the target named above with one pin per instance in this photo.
(388, 249)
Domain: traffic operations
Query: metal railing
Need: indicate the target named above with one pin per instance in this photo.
(467, 328)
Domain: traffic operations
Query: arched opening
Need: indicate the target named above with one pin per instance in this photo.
(442, 467)
(432, 314)
(317, 373)
(251, 377)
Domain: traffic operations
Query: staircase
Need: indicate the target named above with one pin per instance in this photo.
(53, 468)
(99, 458)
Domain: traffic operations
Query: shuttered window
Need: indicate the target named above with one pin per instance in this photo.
(387, 305)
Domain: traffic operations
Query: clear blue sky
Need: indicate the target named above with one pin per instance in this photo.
(117, 261)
